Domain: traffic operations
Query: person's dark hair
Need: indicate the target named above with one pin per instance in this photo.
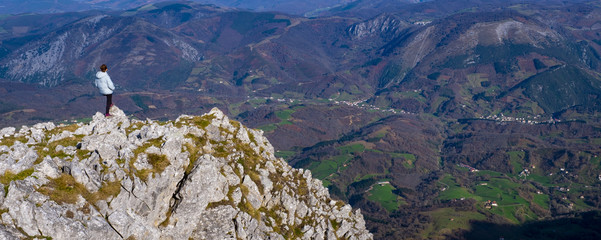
(103, 67)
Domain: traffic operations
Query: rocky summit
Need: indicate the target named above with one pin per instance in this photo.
(198, 177)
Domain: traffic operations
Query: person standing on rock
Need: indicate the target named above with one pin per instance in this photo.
(105, 85)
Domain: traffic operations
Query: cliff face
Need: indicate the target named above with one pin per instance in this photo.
(199, 177)
(384, 26)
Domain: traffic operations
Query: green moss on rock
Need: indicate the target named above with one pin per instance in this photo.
(9, 176)
(10, 141)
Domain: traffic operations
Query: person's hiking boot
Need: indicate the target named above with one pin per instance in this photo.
(108, 115)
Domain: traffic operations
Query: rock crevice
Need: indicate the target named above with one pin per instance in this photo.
(198, 177)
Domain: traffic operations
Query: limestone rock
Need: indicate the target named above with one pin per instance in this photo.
(199, 177)
(7, 131)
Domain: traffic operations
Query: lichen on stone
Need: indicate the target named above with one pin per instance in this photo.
(198, 177)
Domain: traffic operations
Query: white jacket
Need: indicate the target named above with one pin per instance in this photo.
(103, 83)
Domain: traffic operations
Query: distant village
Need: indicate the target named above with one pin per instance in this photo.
(357, 103)
(532, 120)
(529, 120)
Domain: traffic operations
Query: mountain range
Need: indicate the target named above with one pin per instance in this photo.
(391, 103)
(58, 6)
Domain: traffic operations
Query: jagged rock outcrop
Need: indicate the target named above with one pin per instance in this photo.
(384, 25)
(198, 177)
(51, 57)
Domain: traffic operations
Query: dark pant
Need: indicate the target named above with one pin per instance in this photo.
(109, 102)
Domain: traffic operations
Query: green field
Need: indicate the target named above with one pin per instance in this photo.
(412, 95)
(324, 169)
(378, 135)
(511, 204)
(510, 212)
(541, 200)
(407, 156)
(542, 179)
(284, 154)
(352, 148)
(453, 190)
(359, 177)
(268, 127)
(382, 193)
(446, 220)
(580, 205)
(409, 159)
(504, 191)
(516, 158)
(283, 115)
(500, 190)
(489, 173)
